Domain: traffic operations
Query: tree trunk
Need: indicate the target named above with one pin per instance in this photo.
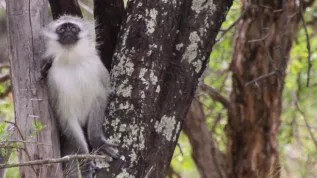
(61, 7)
(163, 49)
(209, 159)
(25, 20)
(261, 52)
(109, 15)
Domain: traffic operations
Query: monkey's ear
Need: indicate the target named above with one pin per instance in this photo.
(45, 67)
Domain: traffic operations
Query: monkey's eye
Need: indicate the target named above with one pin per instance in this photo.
(75, 29)
(60, 29)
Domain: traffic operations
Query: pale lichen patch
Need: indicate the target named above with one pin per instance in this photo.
(124, 67)
(166, 126)
(122, 128)
(126, 106)
(199, 5)
(114, 123)
(153, 78)
(151, 22)
(124, 91)
(101, 163)
(158, 89)
(135, 137)
(142, 94)
(197, 64)
(179, 46)
(143, 71)
(133, 156)
(191, 50)
(125, 174)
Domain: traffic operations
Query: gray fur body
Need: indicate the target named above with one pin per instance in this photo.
(78, 86)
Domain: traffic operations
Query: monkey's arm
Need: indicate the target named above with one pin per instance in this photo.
(95, 130)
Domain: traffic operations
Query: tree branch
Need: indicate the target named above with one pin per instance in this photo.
(61, 7)
(51, 161)
(109, 15)
(4, 77)
(215, 95)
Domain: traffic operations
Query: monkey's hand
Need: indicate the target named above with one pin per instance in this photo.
(45, 67)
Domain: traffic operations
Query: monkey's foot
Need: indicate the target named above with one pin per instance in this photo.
(105, 147)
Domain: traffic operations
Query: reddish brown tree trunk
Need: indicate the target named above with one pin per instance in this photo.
(261, 53)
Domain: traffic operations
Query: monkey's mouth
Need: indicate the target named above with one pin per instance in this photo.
(68, 39)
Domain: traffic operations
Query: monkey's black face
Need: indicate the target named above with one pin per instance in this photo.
(67, 33)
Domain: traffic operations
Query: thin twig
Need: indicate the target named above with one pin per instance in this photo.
(21, 141)
(307, 124)
(21, 135)
(224, 31)
(149, 172)
(307, 42)
(260, 78)
(4, 66)
(4, 78)
(6, 92)
(261, 39)
(51, 161)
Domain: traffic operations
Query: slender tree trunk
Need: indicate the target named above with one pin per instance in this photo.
(209, 159)
(25, 20)
(109, 15)
(61, 7)
(261, 52)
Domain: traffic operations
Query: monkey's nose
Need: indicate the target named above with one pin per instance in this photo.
(68, 39)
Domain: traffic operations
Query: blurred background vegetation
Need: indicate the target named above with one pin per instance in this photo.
(297, 147)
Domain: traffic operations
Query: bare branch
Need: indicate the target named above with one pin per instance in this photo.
(224, 31)
(4, 66)
(260, 78)
(214, 94)
(306, 123)
(6, 92)
(4, 78)
(301, 13)
(51, 161)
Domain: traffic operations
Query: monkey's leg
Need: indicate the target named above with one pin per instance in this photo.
(73, 142)
(95, 130)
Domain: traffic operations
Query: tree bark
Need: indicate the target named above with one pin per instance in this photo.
(61, 7)
(109, 15)
(261, 52)
(163, 49)
(209, 159)
(25, 20)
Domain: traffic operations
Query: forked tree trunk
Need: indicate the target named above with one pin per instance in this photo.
(163, 49)
(261, 52)
(25, 20)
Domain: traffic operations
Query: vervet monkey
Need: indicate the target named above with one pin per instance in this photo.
(78, 86)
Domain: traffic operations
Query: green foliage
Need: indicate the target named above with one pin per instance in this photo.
(37, 125)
